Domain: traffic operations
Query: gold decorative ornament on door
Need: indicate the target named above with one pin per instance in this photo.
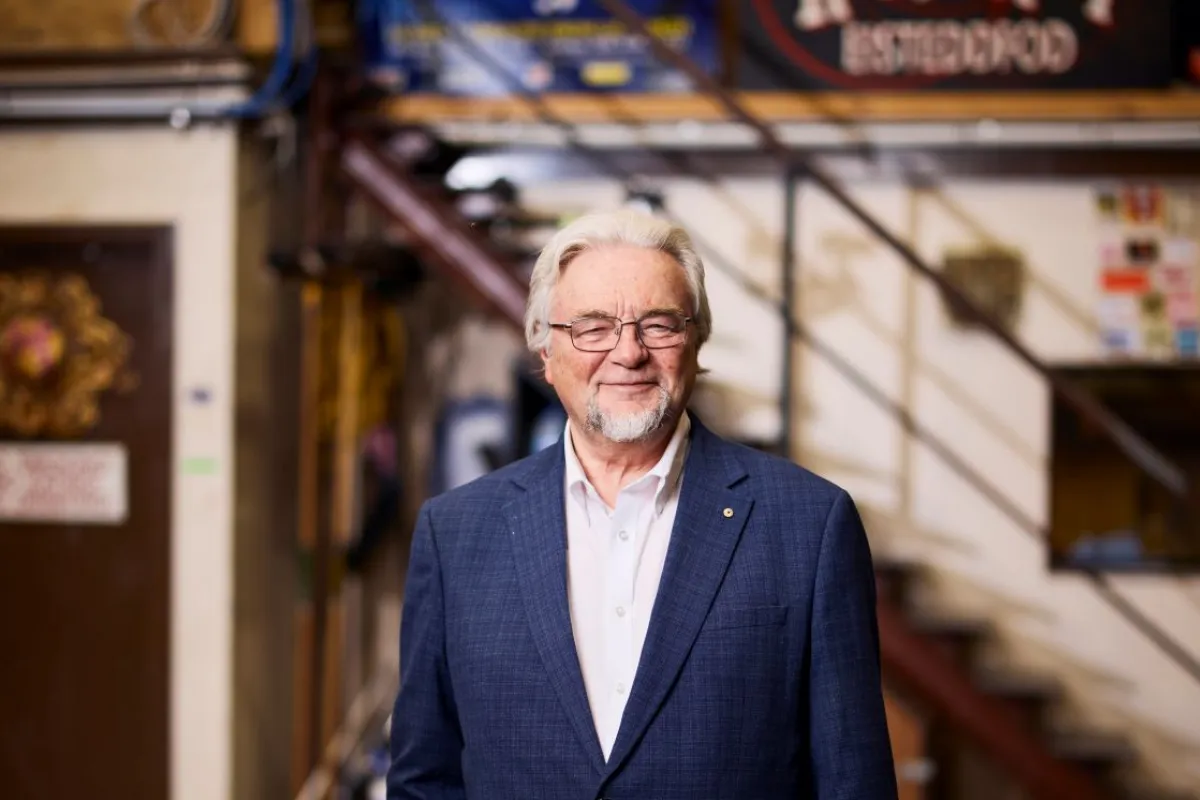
(58, 355)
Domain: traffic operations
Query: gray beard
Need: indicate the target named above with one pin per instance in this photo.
(627, 428)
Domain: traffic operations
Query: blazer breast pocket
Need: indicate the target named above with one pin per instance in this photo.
(745, 617)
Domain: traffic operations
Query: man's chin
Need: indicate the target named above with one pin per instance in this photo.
(627, 408)
(628, 434)
(630, 426)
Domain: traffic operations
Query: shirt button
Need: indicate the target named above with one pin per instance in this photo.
(620, 611)
(620, 688)
(623, 535)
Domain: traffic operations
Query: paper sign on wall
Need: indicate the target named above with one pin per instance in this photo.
(64, 483)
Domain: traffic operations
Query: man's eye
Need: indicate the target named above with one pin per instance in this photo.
(592, 328)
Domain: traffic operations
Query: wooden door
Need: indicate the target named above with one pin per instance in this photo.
(84, 597)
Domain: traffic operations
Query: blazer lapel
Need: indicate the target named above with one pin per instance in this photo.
(708, 525)
(538, 529)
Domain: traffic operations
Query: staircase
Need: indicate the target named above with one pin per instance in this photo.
(1016, 703)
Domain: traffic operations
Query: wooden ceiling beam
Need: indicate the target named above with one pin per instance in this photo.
(811, 107)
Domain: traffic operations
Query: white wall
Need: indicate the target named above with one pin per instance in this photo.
(160, 176)
(992, 411)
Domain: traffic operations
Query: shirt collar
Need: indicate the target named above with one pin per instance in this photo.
(665, 474)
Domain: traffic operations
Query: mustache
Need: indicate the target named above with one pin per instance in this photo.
(630, 382)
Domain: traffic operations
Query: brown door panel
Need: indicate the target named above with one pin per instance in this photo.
(85, 608)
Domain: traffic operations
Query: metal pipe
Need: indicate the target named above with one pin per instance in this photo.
(787, 268)
(179, 91)
(308, 506)
(132, 83)
(178, 113)
(313, 231)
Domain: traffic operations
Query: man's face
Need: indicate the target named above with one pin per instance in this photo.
(627, 393)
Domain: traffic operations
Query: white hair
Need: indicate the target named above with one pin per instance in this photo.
(625, 226)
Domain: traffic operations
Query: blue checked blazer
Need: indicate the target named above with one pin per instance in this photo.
(759, 678)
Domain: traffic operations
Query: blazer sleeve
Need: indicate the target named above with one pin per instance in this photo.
(848, 736)
(426, 742)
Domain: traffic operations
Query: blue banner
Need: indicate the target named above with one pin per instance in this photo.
(568, 46)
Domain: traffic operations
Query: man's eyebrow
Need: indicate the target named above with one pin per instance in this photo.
(591, 313)
(594, 313)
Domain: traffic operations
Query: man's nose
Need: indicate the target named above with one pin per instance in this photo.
(629, 350)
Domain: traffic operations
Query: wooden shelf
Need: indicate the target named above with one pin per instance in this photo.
(812, 107)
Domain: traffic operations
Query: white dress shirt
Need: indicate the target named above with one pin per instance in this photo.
(615, 560)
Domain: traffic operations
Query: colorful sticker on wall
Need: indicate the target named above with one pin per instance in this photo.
(1120, 332)
(1112, 253)
(1149, 270)
(1158, 335)
(1179, 250)
(1181, 309)
(1183, 213)
(1142, 205)
(1108, 207)
(1126, 281)
(1121, 340)
(1187, 342)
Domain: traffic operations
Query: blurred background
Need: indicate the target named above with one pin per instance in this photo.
(262, 271)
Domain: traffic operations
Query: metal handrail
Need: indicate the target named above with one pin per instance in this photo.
(1171, 476)
(366, 707)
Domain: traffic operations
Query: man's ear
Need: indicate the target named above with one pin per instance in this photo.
(547, 372)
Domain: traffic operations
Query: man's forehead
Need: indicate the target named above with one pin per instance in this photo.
(641, 264)
(606, 294)
(619, 253)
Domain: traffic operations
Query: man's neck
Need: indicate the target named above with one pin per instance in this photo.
(611, 466)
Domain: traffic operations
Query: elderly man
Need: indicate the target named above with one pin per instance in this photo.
(643, 611)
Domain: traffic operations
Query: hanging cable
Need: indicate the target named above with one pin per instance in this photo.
(303, 80)
(265, 99)
(275, 92)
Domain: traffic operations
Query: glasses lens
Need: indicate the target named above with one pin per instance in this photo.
(663, 330)
(594, 334)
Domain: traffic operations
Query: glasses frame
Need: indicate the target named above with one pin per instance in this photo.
(569, 327)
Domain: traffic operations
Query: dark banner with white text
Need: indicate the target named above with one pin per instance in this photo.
(921, 45)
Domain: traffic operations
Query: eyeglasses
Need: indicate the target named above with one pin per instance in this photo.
(655, 331)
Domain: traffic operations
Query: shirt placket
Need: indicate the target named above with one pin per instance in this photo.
(619, 605)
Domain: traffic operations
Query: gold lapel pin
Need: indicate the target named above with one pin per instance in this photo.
(728, 513)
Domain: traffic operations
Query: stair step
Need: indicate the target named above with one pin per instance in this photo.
(1143, 791)
(1012, 683)
(1092, 745)
(1098, 753)
(1029, 695)
(894, 578)
(958, 637)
